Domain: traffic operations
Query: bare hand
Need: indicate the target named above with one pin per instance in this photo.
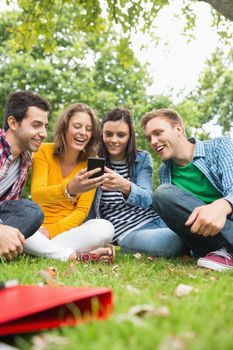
(11, 242)
(208, 220)
(82, 183)
(44, 231)
(115, 182)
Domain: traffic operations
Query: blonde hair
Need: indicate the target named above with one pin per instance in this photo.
(172, 115)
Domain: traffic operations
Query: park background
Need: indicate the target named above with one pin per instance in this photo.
(142, 55)
(110, 53)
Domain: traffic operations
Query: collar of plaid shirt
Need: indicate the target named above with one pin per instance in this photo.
(6, 159)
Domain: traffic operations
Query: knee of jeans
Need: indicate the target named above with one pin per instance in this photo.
(35, 211)
(161, 196)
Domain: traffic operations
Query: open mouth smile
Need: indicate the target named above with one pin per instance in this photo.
(37, 141)
(160, 148)
(80, 140)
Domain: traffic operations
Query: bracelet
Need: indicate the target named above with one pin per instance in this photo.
(70, 196)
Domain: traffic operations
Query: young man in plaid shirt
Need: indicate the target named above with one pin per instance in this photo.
(195, 198)
(25, 127)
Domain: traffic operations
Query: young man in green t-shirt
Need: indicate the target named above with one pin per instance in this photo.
(195, 198)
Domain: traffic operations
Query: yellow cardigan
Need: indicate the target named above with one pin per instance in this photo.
(48, 190)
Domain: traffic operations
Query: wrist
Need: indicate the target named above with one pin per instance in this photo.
(126, 188)
(228, 207)
(68, 194)
(225, 206)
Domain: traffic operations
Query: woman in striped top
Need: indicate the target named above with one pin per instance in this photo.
(125, 198)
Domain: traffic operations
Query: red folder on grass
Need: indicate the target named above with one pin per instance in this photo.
(32, 308)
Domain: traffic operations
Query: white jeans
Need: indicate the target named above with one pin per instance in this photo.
(92, 234)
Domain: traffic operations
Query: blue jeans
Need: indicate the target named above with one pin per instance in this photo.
(174, 205)
(154, 238)
(22, 214)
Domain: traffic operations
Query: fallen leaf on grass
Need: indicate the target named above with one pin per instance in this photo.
(184, 289)
(101, 271)
(41, 342)
(148, 309)
(151, 258)
(115, 270)
(173, 343)
(49, 276)
(214, 278)
(70, 270)
(138, 256)
(138, 312)
(177, 342)
(132, 289)
(52, 271)
(186, 258)
(133, 319)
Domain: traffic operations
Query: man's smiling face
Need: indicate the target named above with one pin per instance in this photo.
(32, 130)
(163, 136)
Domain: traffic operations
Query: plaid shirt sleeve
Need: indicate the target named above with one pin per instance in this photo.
(224, 155)
(6, 159)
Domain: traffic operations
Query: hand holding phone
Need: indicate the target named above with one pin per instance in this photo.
(94, 163)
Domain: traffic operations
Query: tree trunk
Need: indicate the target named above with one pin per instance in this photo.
(224, 7)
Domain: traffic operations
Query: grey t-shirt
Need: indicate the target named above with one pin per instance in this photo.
(11, 177)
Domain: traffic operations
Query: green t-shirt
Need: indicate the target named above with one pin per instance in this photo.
(192, 180)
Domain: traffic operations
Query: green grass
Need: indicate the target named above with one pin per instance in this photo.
(200, 320)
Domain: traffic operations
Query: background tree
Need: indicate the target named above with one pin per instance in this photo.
(100, 71)
(65, 51)
(41, 19)
(213, 96)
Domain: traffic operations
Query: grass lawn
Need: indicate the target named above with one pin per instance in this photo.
(202, 319)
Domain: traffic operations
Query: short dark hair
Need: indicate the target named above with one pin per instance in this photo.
(18, 103)
(124, 114)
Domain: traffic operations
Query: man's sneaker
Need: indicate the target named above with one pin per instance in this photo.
(219, 260)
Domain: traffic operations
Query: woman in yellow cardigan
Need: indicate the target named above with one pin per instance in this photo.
(62, 187)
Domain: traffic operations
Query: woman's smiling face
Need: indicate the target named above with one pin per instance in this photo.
(116, 137)
(79, 131)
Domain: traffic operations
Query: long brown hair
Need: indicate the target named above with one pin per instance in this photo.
(61, 128)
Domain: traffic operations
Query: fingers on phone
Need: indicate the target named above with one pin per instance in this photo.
(92, 173)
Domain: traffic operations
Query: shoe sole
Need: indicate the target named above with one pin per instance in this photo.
(212, 265)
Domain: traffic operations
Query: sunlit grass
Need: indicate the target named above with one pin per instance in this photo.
(199, 320)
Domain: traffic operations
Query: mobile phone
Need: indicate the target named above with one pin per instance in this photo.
(94, 163)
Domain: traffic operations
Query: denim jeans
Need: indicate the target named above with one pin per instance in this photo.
(22, 214)
(154, 238)
(174, 205)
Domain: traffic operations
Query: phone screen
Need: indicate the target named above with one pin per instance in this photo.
(94, 163)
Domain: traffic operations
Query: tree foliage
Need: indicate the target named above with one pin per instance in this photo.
(213, 95)
(70, 53)
(41, 19)
(101, 71)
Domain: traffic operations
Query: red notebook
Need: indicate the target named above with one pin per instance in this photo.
(32, 308)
